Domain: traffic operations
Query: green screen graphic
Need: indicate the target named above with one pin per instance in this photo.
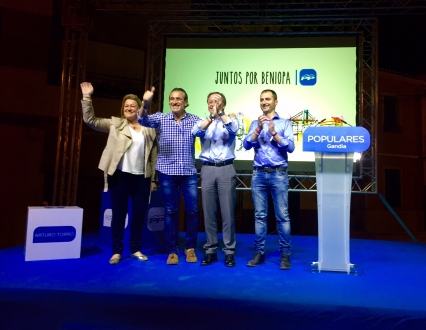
(314, 78)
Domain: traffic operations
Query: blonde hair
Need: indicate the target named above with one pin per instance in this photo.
(130, 97)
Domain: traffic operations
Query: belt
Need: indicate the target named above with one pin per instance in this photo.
(219, 164)
(270, 169)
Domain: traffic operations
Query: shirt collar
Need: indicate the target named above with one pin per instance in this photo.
(276, 116)
(172, 117)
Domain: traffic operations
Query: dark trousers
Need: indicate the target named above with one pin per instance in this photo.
(123, 185)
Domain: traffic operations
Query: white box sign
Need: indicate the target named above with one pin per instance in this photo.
(53, 233)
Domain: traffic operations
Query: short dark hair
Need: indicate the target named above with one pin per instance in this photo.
(273, 93)
(185, 96)
(177, 89)
(221, 95)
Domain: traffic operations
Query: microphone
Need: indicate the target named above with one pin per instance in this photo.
(320, 121)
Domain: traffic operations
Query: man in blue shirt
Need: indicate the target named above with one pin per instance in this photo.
(272, 138)
(218, 177)
(177, 170)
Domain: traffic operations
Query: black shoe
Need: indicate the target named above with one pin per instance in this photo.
(258, 259)
(229, 260)
(285, 262)
(209, 259)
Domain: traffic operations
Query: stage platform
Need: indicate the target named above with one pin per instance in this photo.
(387, 291)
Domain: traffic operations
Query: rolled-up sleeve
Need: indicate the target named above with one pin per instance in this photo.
(287, 139)
(196, 129)
(232, 126)
(152, 121)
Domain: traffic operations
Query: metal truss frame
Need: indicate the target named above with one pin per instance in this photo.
(221, 18)
(186, 10)
(364, 28)
(70, 117)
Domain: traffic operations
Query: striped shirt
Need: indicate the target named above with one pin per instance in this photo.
(176, 144)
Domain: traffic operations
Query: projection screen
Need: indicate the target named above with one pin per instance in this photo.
(315, 79)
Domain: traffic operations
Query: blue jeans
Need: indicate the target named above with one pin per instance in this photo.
(171, 187)
(276, 184)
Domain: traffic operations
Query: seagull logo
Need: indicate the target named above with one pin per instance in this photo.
(308, 77)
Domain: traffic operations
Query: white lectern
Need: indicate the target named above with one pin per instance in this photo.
(334, 178)
(334, 150)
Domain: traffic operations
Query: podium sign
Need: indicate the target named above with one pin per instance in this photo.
(336, 139)
(334, 149)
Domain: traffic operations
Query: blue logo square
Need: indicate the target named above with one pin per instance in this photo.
(308, 77)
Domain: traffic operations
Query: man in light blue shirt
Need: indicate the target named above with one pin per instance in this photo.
(271, 137)
(218, 177)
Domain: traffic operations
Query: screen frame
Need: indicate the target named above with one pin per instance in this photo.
(302, 168)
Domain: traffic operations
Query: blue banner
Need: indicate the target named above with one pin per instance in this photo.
(336, 139)
(53, 234)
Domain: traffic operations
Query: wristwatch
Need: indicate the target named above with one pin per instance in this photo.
(220, 114)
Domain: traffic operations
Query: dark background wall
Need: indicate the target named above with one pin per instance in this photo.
(31, 38)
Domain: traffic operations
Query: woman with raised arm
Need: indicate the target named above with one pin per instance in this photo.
(128, 162)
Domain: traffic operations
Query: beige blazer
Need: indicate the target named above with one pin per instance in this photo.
(119, 140)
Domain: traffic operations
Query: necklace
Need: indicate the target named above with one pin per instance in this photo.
(133, 125)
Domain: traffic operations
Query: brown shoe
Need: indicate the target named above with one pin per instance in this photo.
(115, 259)
(172, 259)
(190, 255)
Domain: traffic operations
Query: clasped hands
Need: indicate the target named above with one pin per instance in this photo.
(217, 104)
(264, 120)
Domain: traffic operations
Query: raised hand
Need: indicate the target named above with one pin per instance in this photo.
(219, 103)
(86, 88)
(146, 100)
(148, 95)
